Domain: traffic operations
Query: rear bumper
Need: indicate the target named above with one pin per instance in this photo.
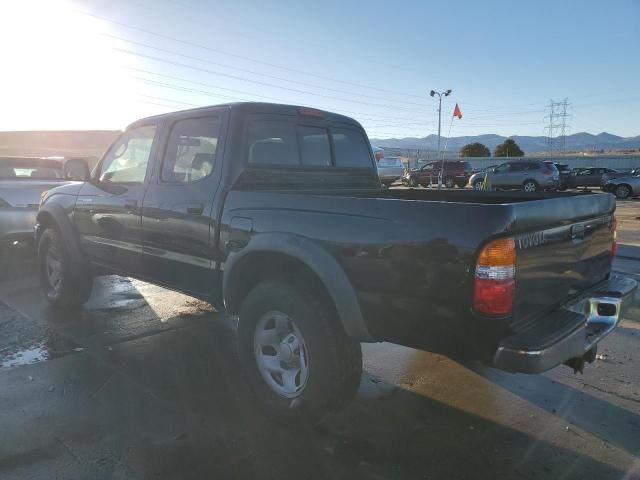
(569, 332)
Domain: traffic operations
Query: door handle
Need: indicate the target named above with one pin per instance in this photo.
(195, 208)
(130, 204)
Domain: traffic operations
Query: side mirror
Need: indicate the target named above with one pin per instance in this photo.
(77, 169)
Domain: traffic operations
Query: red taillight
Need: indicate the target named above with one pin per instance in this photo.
(379, 156)
(494, 283)
(614, 245)
(548, 172)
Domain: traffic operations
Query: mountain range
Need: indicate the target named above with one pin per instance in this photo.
(576, 142)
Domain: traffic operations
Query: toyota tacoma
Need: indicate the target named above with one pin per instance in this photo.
(276, 214)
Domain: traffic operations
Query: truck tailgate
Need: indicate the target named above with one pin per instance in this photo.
(560, 258)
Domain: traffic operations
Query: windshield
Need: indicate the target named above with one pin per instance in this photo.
(27, 168)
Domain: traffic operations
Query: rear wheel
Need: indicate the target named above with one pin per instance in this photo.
(529, 186)
(478, 184)
(448, 182)
(622, 191)
(64, 284)
(297, 359)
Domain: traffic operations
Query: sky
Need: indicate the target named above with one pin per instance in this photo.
(101, 64)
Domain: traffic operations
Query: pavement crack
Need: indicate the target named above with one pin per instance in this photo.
(68, 449)
(102, 385)
(615, 394)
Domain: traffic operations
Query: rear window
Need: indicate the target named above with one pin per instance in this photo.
(273, 142)
(282, 142)
(390, 162)
(314, 143)
(351, 148)
(26, 168)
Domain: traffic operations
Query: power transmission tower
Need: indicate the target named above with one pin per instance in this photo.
(557, 128)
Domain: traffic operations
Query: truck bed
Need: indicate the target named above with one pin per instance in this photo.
(410, 253)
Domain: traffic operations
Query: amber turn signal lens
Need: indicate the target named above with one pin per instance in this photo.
(498, 253)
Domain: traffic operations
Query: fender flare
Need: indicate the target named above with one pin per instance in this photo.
(319, 261)
(62, 222)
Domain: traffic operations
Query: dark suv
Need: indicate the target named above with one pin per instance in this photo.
(453, 173)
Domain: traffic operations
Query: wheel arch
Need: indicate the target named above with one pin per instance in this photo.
(631, 191)
(55, 216)
(275, 255)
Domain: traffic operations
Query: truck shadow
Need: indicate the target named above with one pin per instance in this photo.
(174, 405)
(162, 396)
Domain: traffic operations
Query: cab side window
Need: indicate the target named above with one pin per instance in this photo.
(191, 150)
(128, 158)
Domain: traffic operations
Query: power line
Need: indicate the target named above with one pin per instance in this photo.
(243, 57)
(174, 86)
(236, 77)
(253, 72)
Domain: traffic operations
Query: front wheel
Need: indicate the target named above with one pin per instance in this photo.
(622, 192)
(64, 284)
(298, 361)
(478, 185)
(413, 182)
(529, 186)
(448, 182)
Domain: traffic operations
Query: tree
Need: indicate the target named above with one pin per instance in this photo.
(476, 149)
(508, 148)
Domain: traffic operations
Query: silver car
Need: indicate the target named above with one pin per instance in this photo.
(22, 181)
(390, 169)
(528, 175)
(624, 187)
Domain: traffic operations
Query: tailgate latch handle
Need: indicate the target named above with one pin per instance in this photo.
(577, 232)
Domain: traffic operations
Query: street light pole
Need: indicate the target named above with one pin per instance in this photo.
(446, 93)
(439, 121)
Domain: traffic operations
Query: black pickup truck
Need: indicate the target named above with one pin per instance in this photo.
(276, 214)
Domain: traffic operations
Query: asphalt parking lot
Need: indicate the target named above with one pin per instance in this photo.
(144, 383)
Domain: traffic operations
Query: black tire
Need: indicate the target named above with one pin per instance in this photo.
(622, 191)
(478, 184)
(412, 182)
(334, 360)
(529, 185)
(74, 285)
(562, 188)
(449, 182)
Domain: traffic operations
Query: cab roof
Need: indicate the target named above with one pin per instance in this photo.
(255, 107)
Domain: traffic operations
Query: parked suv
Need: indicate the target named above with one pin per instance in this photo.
(565, 173)
(528, 175)
(453, 173)
(592, 177)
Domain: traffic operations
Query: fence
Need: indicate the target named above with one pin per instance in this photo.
(414, 157)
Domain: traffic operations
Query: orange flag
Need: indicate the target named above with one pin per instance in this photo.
(457, 112)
